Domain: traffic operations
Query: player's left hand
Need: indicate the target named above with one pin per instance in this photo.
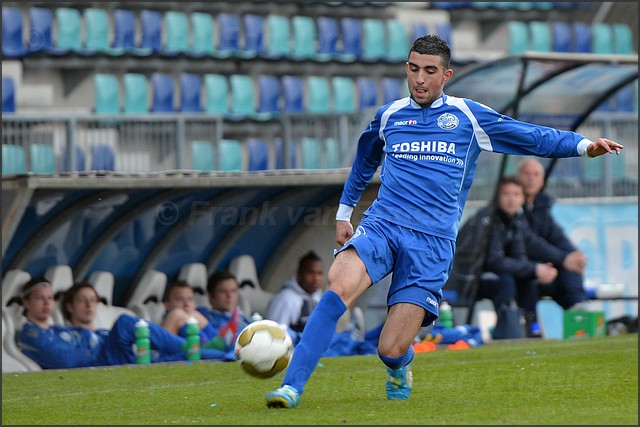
(603, 146)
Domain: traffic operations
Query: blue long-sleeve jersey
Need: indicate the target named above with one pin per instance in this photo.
(430, 156)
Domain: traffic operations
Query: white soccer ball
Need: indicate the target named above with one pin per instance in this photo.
(264, 348)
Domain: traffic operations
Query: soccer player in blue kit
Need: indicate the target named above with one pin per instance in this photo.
(430, 142)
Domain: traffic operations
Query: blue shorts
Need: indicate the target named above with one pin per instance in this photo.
(421, 263)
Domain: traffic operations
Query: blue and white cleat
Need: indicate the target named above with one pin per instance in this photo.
(399, 382)
(284, 397)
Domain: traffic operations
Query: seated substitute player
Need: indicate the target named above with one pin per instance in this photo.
(430, 143)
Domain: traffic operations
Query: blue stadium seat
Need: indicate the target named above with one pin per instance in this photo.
(13, 159)
(367, 93)
(344, 94)
(279, 145)
(351, 33)
(540, 36)
(216, 94)
(293, 93)
(8, 95)
(102, 158)
(373, 40)
(190, 89)
(304, 37)
(258, 150)
(151, 27)
(229, 30)
(13, 45)
(253, 36)
(397, 44)
(269, 95)
(601, 38)
(622, 39)
(136, 93)
(561, 38)
(518, 34)
(96, 23)
(79, 163)
(176, 26)
(418, 29)
(41, 30)
(124, 32)
(317, 94)
(624, 98)
(162, 93)
(242, 95)
(43, 159)
(443, 29)
(582, 37)
(278, 35)
(391, 89)
(328, 34)
(107, 94)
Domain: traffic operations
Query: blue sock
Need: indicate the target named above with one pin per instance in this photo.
(316, 337)
(398, 362)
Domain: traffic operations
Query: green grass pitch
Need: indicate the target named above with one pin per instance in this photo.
(582, 381)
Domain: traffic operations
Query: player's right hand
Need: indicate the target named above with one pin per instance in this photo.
(344, 230)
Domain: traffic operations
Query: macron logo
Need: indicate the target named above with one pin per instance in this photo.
(405, 122)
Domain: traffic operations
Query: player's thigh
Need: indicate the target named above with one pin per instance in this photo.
(400, 329)
(348, 276)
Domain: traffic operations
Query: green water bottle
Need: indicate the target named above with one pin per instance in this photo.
(445, 314)
(193, 339)
(143, 343)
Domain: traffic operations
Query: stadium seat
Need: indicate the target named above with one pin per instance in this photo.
(202, 156)
(195, 274)
(103, 282)
(61, 278)
(124, 32)
(518, 37)
(12, 282)
(162, 93)
(231, 155)
(601, 38)
(540, 36)
(41, 30)
(293, 93)
(391, 89)
(107, 94)
(318, 94)
(373, 40)
(344, 94)
(202, 34)
(269, 95)
(217, 94)
(102, 158)
(561, 39)
(622, 39)
(96, 24)
(328, 35)
(397, 44)
(418, 29)
(190, 88)
(176, 27)
(229, 31)
(8, 95)
(351, 34)
(277, 37)
(367, 93)
(13, 45)
(43, 158)
(581, 32)
(253, 36)
(304, 37)
(13, 359)
(279, 149)
(311, 153)
(258, 150)
(151, 28)
(79, 162)
(252, 298)
(136, 93)
(624, 98)
(332, 153)
(443, 29)
(13, 159)
(146, 300)
(242, 95)
(69, 30)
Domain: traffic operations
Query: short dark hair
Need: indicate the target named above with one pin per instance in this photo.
(71, 293)
(308, 257)
(432, 44)
(509, 179)
(174, 285)
(218, 277)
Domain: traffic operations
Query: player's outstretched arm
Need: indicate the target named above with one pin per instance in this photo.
(603, 146)
(344, 230)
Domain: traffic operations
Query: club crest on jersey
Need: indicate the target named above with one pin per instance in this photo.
(448, 121)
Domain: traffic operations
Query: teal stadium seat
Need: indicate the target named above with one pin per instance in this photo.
(311, 153)
(540, 36)
(177, 33)
(397, 41)
(202, 34)
(202, 157)
(304, 37)
(107, 94)
(518, 34)
(332, 153)
(344, 94)
(13, 159)
(622, 39)
(43, 159)
(216, 94)
(231, 154)
(136, 93)
(69, 29)
(242, 95)
(373, 40)
(278, 34)
(318, 94)
(96, 24)
(601, 38)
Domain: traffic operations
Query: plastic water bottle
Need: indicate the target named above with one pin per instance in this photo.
(143, 343)
(193, 339)
(445, 314)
